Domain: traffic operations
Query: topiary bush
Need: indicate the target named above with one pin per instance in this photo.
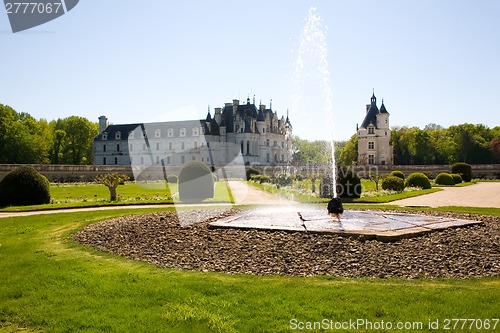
(398, 173)
(282, 179)
(393, 183)
(24, 186)
(463, 169)
(172, 179)
(457, 178)
(348, 184)
(250, 172)
(444, 178)
(196, 182)
(418, 179)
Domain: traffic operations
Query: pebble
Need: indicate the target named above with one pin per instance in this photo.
(158, 238)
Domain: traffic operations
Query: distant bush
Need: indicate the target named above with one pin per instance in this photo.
(463, 169)
(418, 179)
(398, 173)
(264, 179)
(393, 183)
(251, 171)
(24, 186)
(348, 184)
(172, 179)
(444, 178)
(196, 182)
(457, 178)
(282, 179)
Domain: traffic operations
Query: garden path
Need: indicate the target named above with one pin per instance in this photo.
(482, 194)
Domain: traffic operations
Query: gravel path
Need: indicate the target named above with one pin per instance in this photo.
(482, 194)
(159, 239)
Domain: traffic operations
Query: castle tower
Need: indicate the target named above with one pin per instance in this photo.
(374, 136)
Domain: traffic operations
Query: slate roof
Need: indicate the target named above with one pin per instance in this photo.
(371, 114)
(150, 129)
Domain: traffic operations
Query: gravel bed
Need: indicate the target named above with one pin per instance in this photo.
(158, 238)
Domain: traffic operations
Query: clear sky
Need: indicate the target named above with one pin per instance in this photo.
(432, 61)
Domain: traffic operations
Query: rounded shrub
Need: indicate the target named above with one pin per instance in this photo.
(418, 179)
(398, 173)
(463, 169)
(282, 179)
(457, 178)
(348, 184)
(255, 178)
(444, 178)
(393, 183)
(250, 172)
(24, 186)
(264, 179)
(195, 182)
(172, 179)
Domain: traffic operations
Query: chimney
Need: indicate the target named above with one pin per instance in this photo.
(218, 115)
(103, 123)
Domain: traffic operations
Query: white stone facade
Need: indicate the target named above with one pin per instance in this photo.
(241, 134)
(374, 136)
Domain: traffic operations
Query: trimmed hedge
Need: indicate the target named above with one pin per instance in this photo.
(393, 183)
(457, 178)
(348, 184)
(463, 169)
(418, 179)
(250, 172)
(24, 186)
(196, 182)
(172, 179)
(398, 173)
(444, 178)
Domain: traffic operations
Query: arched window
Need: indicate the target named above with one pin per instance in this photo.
(158, 133)
(104, 135)
(196, 131)
(170, 132)
(118, 135)
(242, 152)
(183, 132)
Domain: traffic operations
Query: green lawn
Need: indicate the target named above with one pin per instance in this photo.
(49, 283)
(131, 193)
(301, 192)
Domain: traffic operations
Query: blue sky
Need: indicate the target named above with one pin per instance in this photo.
(431, 61)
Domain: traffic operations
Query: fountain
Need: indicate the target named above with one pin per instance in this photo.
(383, 226)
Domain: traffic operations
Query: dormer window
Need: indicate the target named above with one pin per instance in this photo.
(183, 132)
(170, 132)
(196, 131)
(104, 135)
(157, 133)
(118, 135)
(131, 134)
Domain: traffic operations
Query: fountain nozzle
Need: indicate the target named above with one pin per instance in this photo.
(335, 207)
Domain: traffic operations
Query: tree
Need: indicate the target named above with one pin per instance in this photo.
(80, 133)
(111, 180)
(319, 151)
(495, 149)
(348, 154)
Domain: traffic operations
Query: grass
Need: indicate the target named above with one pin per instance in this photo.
(302, 195)
(50, 283)
(77, 195)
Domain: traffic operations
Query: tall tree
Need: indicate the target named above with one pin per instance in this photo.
(78, 140)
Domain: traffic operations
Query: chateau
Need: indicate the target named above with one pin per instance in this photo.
(374, 136)
(236, 133)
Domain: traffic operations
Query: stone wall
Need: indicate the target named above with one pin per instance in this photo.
(87, 173)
